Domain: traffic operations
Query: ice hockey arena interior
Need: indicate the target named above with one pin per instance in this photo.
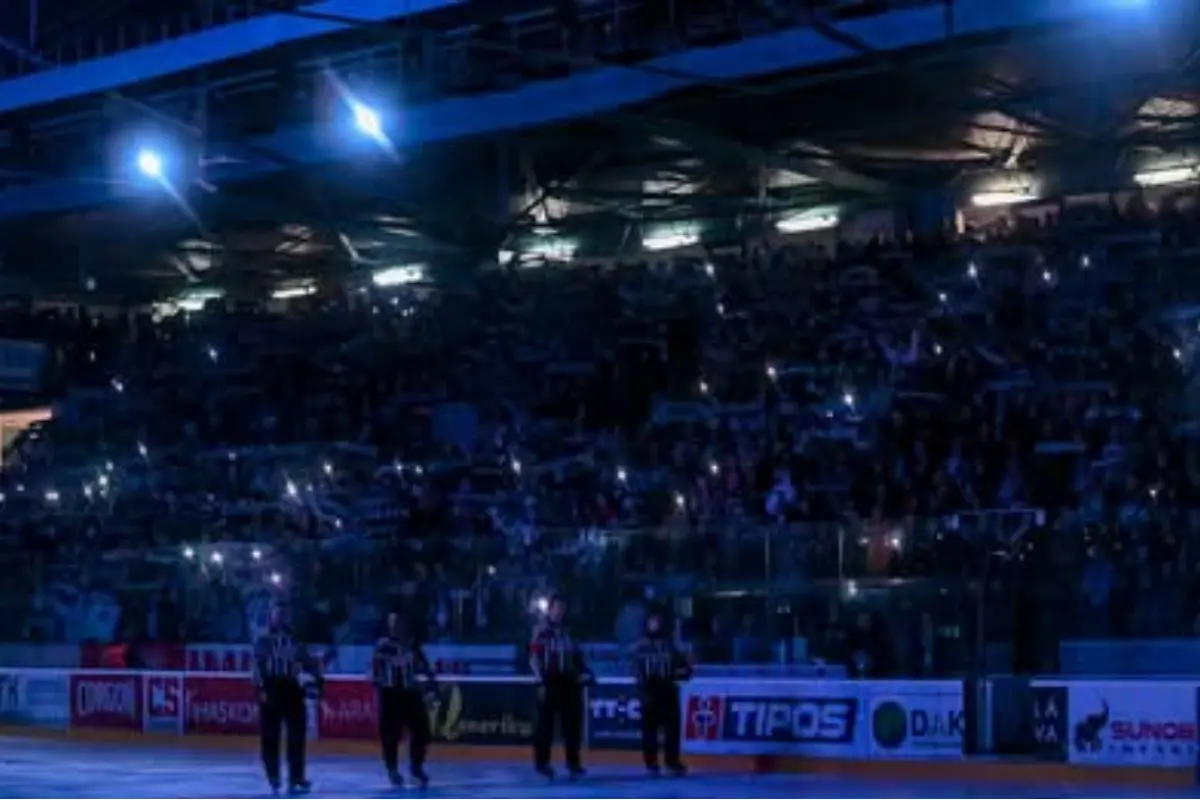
(599, 398)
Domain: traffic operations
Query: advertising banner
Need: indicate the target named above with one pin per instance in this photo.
(1132, 723)
(12, 701)
(163, 704)
(484, 712)
(463, 712)
(821, 718)
(1051, 708)
(34, 698)
(917, 719)
(22, 364)
(218, 705)
(614, 717)
(348, 710)
(703, 717)
(106, 701)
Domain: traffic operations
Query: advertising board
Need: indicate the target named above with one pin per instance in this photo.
(917, 719)
(1129, 723)
(110, 700)
(614, 720)
(163, 703)
(219, 705)
(464, 712)
(819, 718)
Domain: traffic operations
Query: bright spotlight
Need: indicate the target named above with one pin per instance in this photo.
(366, 119)
(150, 164)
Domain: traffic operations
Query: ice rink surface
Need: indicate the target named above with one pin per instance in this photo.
(31, 769)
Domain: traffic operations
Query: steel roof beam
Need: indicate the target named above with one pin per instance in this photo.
(822, 168)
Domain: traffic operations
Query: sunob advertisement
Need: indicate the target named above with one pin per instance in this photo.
(1132, 723)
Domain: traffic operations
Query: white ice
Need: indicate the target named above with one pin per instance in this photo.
(41, 769)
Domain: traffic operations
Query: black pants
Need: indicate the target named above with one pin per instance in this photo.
(660, 712)
(401, 710)
(559, 701)
(284, 707)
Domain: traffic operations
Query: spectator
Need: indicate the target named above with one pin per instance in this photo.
(908, 432)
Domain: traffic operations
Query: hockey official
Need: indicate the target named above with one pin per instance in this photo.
(398, 663)
(659, 668)
(282, 670)
(561, 674)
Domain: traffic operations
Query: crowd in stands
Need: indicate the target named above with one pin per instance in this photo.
(888, 449)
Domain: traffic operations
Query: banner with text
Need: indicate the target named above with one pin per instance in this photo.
(1140, 723)
(22, 365)
(818, 718)
(1050, 716)
(917, 719)
(219, 705)
(475, 712)
(614, 719)
(106, 701)
(162, 703)
(34, 698)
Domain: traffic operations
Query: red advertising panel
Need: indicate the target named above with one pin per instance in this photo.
(704, 718)
(218, 704)
(133, 656)
(106, 701)
(348, 710)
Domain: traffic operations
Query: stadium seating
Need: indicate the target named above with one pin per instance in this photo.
(885, 443)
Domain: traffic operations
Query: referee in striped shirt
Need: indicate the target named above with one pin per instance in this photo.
(282, 667)
(397, 664)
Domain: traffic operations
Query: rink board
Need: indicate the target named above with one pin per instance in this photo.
(1130, 732)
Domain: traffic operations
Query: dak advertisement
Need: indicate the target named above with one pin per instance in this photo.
(465, 712)
(1132, 723)
(918, 722)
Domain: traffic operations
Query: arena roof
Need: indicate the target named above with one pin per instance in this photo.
(787, 107)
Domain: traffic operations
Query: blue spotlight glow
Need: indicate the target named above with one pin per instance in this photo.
(150, 164)
(367, 120)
